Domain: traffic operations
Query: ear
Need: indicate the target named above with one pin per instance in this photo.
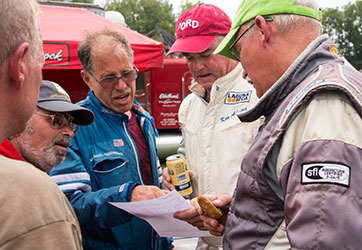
(18, 64)
(86, 78)
(264, 29)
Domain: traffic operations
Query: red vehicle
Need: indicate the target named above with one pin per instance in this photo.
(162, 93)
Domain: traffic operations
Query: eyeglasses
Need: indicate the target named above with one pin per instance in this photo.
(61, 120)
(109, 81)
(232, 46)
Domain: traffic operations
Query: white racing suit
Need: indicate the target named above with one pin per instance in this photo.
(214, 139)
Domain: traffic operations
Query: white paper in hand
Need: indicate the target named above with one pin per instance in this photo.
(159, 214)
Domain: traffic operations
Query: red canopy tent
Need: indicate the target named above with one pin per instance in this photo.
(62, 28)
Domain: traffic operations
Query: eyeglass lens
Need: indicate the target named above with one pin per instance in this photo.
(127, 76)
(232, 49)
(60, 120)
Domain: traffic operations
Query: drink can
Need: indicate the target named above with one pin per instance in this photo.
(180, 178)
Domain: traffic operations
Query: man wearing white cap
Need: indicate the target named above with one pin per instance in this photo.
(214, 140)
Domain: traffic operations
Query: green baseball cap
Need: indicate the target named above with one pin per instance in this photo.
(250, 9)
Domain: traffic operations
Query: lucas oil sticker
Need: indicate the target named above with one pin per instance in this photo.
(237, 97)
(331, 173)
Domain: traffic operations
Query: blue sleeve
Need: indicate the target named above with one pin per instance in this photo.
(92, 208)
(164, 243)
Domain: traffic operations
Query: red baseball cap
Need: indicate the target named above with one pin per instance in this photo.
(197, 28)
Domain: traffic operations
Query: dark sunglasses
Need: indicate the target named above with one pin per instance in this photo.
(110, 81)
(61, 120)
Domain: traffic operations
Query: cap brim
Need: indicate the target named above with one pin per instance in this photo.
(223, 48)
(81, 115)
(191, 44)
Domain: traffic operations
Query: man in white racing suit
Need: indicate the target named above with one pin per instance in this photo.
(214, 139)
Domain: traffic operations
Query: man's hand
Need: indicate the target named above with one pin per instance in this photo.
(196, 217)
(166, 179)
(143, 192)
(191, 215)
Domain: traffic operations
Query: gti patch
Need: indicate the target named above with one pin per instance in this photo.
(331, 173)
(237, 97)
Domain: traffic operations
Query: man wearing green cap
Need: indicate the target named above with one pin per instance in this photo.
(299, 184)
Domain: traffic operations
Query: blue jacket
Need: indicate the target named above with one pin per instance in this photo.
(102, 157)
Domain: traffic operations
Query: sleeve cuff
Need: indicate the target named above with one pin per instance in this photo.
(126, 190)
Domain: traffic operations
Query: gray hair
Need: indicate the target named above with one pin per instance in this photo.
(289, 22)
(19, 23)
(90, 39)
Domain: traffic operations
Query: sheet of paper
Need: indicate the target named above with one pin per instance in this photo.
(159, 214)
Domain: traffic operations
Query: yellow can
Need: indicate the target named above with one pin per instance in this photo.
(180, 178)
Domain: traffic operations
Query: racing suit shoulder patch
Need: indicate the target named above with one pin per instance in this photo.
(322, 172)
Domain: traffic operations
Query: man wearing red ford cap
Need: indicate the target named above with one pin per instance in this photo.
(214, 140)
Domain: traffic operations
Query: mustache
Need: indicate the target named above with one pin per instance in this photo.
(63, 140)
(117, 93)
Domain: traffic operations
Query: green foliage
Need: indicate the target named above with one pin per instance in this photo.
(185, 5)
(144, 15)
(82, 1)
(76, 1)
(345, 28)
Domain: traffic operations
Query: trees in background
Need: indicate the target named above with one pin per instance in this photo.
(76, 1)
(144, 15)
(185, 5)
(147, 16)
(344, 26)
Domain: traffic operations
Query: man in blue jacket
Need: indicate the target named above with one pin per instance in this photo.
(115, 158)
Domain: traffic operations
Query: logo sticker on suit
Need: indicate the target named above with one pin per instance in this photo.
(237, 97)
(322, 172)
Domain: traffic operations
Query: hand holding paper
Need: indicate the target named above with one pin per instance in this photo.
(159, 213)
